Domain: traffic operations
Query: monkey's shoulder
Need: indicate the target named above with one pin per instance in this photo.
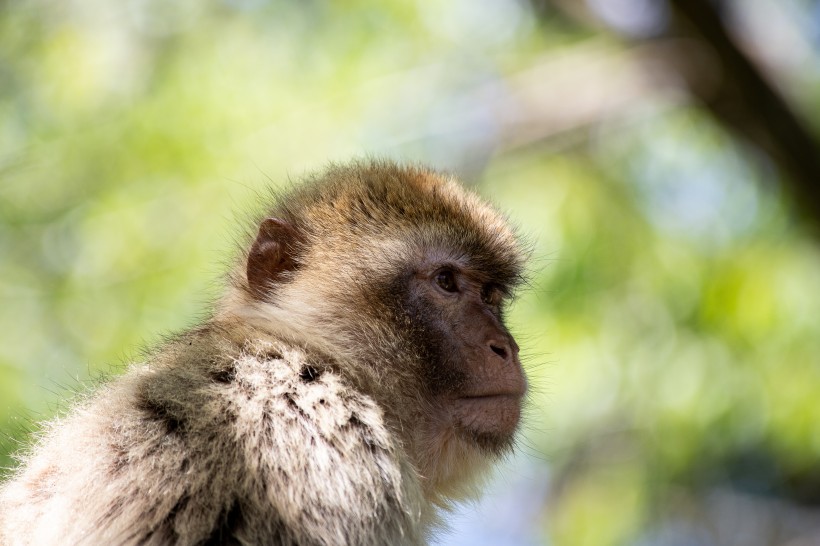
(203, 384)
(262, 445)
(314, 454)
(262, 390)
(283, 387)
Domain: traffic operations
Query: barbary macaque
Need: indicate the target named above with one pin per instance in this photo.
(354, 380)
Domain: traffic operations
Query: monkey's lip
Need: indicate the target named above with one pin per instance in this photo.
(509, 392)
(496, 414)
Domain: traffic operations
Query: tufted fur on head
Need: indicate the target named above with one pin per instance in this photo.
(303, 412)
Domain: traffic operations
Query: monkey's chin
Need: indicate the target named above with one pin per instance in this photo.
(487, 421)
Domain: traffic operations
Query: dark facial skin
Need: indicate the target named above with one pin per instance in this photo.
(475, 374)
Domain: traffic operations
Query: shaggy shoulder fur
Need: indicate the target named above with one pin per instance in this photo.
(262, 404)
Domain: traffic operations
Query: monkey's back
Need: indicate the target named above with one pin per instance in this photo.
(249, 447)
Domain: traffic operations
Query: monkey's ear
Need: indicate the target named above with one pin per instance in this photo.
(271, 255)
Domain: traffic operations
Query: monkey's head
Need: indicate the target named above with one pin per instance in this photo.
(400, 276)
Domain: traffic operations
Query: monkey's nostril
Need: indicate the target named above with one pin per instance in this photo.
(500, 351)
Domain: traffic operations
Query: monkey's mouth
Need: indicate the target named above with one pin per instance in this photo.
(488, 416)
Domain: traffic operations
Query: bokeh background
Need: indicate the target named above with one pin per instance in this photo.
(659, 156)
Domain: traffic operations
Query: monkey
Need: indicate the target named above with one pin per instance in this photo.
(354, 381)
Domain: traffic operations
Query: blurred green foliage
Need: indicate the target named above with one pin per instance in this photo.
(671, 329)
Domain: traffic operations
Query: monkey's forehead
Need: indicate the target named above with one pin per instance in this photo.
(380, 199)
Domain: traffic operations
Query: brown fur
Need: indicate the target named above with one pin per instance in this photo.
(299, 414)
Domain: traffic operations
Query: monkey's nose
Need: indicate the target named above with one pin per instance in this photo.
(500, 348)
(503, 346)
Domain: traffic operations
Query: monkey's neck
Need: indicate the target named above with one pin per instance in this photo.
(450, 469)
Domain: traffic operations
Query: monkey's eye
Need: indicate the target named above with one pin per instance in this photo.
(446, 280)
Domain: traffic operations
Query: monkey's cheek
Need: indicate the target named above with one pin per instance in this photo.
(488, 415)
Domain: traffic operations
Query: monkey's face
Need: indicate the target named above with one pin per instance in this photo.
(470, 361)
